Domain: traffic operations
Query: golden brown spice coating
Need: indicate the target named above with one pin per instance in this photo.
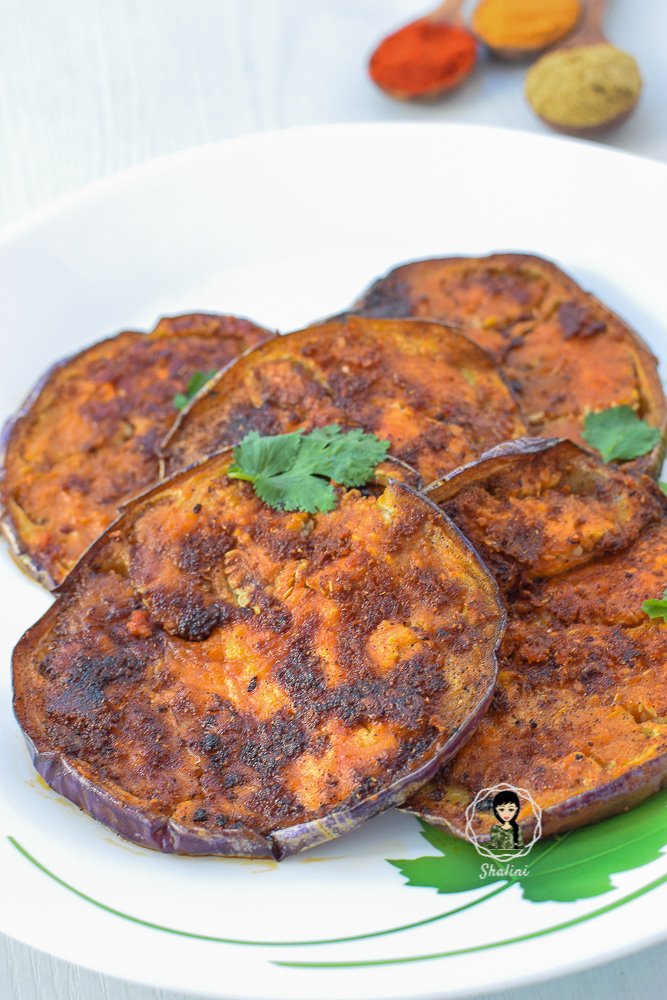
(546, 513)
(85, 441)
(564, 353)
(579, 716)
(227, 667)
(433, 394)
(610, 590)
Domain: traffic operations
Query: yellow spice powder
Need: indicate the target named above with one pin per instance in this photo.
(583, 87)
(524, 24)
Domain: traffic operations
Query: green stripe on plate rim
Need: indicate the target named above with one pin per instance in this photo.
(240, 941)
(373, 934)
(554, 928)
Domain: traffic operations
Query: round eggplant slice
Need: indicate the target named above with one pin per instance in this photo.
(85, 440)
(578, 716)
(217, 677)
(564, 353)
(432, 393)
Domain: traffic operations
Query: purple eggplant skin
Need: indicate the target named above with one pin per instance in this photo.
(592, 806)
(149, 829)
(135, 824)
(22, 558)
(493, 461)
(153, 831)
(620, 795)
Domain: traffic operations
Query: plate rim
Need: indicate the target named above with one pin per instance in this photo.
(107, 185)
(518, 981)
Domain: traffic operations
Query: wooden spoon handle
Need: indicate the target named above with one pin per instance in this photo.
(590, 30)
(448, 12)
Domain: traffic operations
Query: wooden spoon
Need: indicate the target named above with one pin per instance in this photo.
(447, 12)
(589, 32)
(424, 70)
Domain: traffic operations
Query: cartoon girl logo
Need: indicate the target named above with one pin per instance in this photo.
(506, 834)
(514, 811)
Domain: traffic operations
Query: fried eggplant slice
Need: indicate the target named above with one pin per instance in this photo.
(217, 677)
(432, 393)
(85, 440)
(579, 715)
(564, 353)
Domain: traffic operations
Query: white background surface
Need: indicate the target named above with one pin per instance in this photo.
(89, 87)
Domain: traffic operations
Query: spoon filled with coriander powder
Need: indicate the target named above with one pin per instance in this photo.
(586, 85)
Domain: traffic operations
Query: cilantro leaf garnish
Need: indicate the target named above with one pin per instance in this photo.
(293, 471)
(663, 487)
(348, 457)
(619, 434)
(656, 607)
(197, 381)
(296, 491)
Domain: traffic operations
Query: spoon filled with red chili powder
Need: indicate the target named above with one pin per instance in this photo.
(426, 57)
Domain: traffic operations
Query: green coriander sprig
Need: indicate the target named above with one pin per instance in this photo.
(294, 471)
(619, 434)
(197, 382)
(656, 607)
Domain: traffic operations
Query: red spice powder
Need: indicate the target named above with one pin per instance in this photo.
(423, 58)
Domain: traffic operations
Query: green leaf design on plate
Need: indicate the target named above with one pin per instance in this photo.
(576, 865)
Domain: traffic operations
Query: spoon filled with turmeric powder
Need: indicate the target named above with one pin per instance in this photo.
(586, 85)
(519, 29)
(426, 57)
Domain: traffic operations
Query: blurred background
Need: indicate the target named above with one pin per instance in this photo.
(90, 87)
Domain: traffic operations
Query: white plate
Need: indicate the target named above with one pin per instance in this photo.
(284, 228)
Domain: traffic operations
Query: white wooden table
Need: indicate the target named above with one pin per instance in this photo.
(88, 87)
